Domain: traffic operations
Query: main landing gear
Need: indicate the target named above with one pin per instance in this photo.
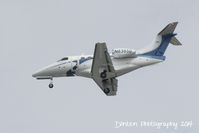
(51, 84)
(103, 74)
(106, 90)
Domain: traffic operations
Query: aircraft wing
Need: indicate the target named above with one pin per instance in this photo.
(103, 72)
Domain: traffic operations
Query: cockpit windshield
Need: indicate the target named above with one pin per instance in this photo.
(65, 58)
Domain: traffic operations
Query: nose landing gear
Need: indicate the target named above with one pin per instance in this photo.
(51, 84)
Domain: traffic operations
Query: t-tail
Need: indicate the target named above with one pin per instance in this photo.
(161, 42)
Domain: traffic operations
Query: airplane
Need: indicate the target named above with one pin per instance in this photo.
(104, 67)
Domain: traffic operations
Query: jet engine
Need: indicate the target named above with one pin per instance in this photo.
(123, 53)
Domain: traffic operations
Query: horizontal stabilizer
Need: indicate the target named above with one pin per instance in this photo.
(169, 29)
(175, 41)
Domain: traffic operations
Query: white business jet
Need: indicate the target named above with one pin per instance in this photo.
(104, 67)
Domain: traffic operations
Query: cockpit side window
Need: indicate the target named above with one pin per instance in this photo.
(65, 58)
(82, 58)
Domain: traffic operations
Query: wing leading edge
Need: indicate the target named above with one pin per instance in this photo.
(103, 72)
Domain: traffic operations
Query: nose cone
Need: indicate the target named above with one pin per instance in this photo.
(43, 73)
(34, 75)
(39, 73)
(47, 72)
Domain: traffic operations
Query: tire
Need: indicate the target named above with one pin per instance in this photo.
(51, 85)
(103, 75)
(106, 90)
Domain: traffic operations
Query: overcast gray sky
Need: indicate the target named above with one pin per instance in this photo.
(35, 33)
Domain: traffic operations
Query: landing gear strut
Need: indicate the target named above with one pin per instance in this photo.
(51, 84)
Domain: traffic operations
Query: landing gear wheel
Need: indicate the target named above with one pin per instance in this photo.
(106, 90)
(103, 74)
(50, 85)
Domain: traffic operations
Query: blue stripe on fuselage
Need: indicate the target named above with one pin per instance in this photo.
(84, 60)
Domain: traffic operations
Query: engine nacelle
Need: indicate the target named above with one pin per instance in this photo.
(123, 53)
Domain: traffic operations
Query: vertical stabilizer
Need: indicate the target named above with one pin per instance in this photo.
(161, 42)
